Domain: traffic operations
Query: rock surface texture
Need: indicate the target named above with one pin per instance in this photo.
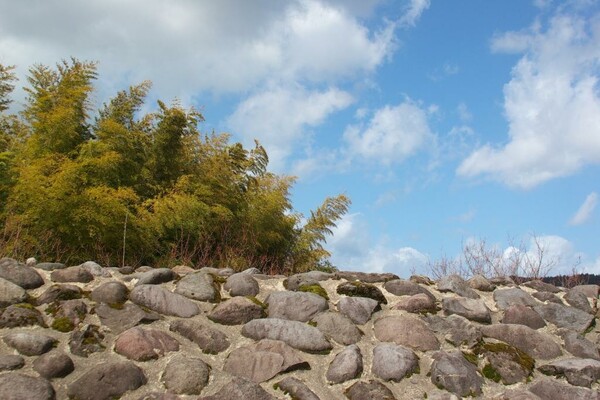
(94, 332)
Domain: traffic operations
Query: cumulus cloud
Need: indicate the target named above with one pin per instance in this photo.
(392, 135)
(586, 210)
(280, 116)
(413, 12)
(551, 103)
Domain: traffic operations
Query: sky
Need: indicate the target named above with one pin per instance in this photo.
(445, 121)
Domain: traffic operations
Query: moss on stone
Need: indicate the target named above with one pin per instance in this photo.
(312, 323)
(490, 372)
(314, 288)
(470, 357)
(257, 302)
(117, 306)
(25, 305)
(518, 356)
(62, 324)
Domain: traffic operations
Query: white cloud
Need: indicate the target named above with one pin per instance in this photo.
(392, 135)
(186, 47)
(552, 106)
(279, 117)
(413, 12)
(463, 112)
(585, 211)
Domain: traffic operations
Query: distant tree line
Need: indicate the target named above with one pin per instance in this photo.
(118, 186)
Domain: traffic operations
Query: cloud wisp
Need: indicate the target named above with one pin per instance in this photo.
(586, 210)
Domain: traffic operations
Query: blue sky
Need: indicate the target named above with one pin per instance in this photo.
(444, 121)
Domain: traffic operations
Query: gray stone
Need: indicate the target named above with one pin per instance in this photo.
(72, 274)
(54, 364)
(536, 344)
(159, 396)
(75, 310)
(517, 394)
(240, 389)
(20, 315)
(401, 287)
(457, 330)
(366, 277)
(372, 390)
(296, 389)
(58, 293)
(505, 298)
(358, 309)
(95, 269)
(163, 301)
(107, 381)
(119, 319)
(338, 327)
(210, 340)
(10, 362)
(251, 271)
(406, 330)
(11, 293)
(480, 282)
(241, 284)
(49, 266)
(456, 284)
(542, 286)
(547, 296)
(20, 274)
(523, 315)
(296, 334)
(451, 371)
(17, 386)
(422, 279)
(471, 309)
(156, 277)
(418, 303)
(580, 346)
(565, 317)
(295, 306)
(551, 389)
(86, 341)
(29, 343)
(113, 292)
(392, 362)
(199, 286)
(186, 375)
(236, 311)
(140, 344)
(346, 365)
(578, 299)
(591, 291)
(509, 364)
(578, 371)
(361, 289)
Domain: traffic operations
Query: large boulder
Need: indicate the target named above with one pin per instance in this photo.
(163, 301)
(295, 306)
(296, 334)
(406, 330)
(107, 381)
(451, 371)
(536, 344)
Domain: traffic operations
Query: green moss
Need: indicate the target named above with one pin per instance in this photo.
(314, 288)
(25, 305)
(490, 372)
(470, 357)
(591, 327)
(312, 323)
(518, 356)
(68, 295)
(257, 302)
(117, 306)
(62, 324)
(218, 279)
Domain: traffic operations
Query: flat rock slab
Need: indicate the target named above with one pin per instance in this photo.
(199, 286)
(141, 344)
(551, 389)
(406, 330)
(471, 309)
(371, 390)
(523, 315)
(456, 284)
(11, 293)
(299, 335)
(295, 306)
(358, 309)
(536, 344)
(565, 317)
(241, 284)
(20, 274)
(392, 362)
(186, 375)
(578, 371)
(240, 389)
(262, 361)
(347, 364)
(163, 301)
(210, 340)
(505, 298)
(119, 319)
(236, 311)
(28, 343)
(361, 289)
(17, 386)
(338, 327)
(451, 371)
(107, 381)
(296, 389)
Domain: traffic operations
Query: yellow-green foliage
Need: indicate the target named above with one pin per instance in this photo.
(315, 288)
(118, 185)
(62, 324)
